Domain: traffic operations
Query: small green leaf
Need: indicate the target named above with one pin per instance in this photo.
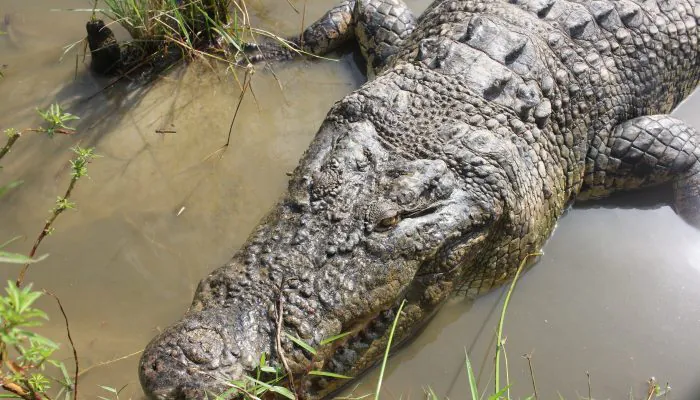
(301, 343)
(334, 338)
(228, 393)
(13, 293)
(109, 389)
(329, 374)
(67, 379)
(237, 384)
(500, 393)
(283, 391)
(28, 299)
(275, 389)
(16, 258)
(39, 382)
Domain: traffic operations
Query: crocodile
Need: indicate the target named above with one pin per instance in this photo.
(483, 121)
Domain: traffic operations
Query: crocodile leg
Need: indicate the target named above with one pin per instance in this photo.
(379, 26)
(643, 152)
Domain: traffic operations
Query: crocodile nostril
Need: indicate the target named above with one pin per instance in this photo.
(202, 346)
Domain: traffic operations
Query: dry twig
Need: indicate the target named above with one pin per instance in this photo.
(528, 356)
(105, 363)
(72, 344)
(278, 340)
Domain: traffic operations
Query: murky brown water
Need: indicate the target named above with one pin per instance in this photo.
(616, 293)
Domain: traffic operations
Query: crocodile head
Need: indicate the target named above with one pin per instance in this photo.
(361, 228)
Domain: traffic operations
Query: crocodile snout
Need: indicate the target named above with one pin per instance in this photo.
(198, 356)
(168, 378)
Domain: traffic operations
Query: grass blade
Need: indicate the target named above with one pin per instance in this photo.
(329, 374)
(14, 239)
(301, 343)
(16, 258)
(386, 352)
(470, 377)
(499, 334)
(275, 389)
(283, 391)
(500, 393)
(334, 338)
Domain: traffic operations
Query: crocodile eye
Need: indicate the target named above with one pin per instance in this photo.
(388, 222)
(382, 216)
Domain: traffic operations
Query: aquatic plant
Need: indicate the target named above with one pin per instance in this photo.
(24, 354)
(164, 31)
(55, 119)
(189, 24)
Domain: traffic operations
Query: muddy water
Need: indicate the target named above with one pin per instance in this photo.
(615, 294)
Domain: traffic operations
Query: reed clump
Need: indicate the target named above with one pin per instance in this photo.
(166, 31)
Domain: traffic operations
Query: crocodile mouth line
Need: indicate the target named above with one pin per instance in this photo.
(360, 328)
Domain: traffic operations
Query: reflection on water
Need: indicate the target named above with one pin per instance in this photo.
(615, 294)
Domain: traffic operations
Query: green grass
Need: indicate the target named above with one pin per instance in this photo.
(386, 351)
(165, 31)
(189, 24)
(500, 342)
(212, 30)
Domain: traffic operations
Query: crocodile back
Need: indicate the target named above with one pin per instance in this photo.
(568, 70)
(513, 95)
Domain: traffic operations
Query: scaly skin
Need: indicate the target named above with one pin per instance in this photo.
(483, 124)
